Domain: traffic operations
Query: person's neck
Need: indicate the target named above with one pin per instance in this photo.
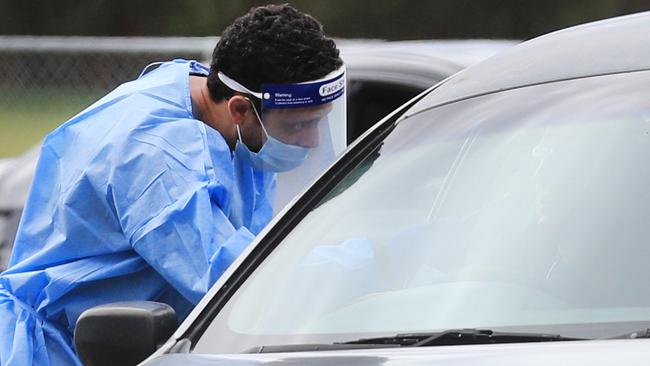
(214, 114)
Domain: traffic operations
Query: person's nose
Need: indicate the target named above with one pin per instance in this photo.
(311, 137)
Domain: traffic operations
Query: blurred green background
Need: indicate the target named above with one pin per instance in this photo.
(42, 94)
(24, 120)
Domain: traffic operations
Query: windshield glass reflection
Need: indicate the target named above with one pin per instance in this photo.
(526, 208)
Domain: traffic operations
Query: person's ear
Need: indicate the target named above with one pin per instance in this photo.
(239, 108)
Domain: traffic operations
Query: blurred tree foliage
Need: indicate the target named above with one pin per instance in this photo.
(388, 19)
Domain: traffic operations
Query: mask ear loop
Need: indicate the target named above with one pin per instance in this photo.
(258, 117)
(239, 133)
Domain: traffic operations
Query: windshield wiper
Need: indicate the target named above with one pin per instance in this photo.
(314, 347)
(444, 338)
(460, 337)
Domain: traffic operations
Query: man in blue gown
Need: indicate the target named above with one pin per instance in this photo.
(154, 190)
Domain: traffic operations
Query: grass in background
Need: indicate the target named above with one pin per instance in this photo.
(27, 116)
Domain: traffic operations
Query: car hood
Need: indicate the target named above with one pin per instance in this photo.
(593, 353)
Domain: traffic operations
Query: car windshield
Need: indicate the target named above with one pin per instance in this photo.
(524, 209)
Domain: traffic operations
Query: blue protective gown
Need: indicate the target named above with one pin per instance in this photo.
(133, 199)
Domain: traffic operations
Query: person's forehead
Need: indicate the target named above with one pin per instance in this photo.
(306, 113)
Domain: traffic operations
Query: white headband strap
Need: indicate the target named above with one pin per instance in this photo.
(234, 85)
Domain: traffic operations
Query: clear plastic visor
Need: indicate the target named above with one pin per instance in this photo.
(310, 115)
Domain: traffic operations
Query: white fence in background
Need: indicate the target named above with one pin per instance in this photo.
(28, 62)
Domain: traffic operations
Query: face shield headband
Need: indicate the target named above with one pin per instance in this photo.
(295, 95)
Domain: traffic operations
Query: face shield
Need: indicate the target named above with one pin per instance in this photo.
(304, 126)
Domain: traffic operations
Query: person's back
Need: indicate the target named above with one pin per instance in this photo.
(155, 189)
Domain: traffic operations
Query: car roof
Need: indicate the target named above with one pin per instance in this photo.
(462, 52)
(609, 46)
(419, 63)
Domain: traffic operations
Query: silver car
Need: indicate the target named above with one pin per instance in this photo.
(500, 218)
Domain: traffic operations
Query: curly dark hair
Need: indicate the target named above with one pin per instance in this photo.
(271, 44)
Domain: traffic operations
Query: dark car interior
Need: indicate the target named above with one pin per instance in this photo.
(370, 101)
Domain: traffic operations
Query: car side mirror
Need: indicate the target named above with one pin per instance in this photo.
(123, 333)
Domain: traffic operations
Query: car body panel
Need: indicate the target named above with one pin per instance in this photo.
(593, 353)
(604, 47)
(15, 178)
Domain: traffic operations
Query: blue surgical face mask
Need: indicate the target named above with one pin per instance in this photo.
(274, 156)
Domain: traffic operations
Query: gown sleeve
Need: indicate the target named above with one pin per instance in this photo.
(171, 211)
